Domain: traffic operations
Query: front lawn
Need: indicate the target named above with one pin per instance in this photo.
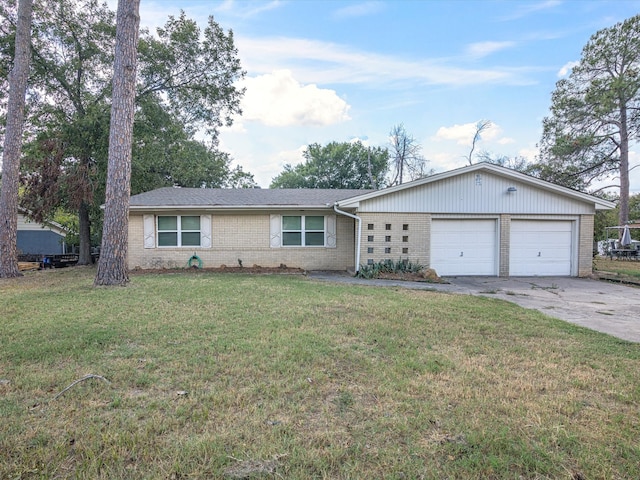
(240, 376)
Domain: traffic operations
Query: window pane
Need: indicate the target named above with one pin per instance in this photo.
(314, 239)
(167, 223)
(314, 223)
(167, 239)
(291, 223)
(190, 239)
(190, 223)
(291, 238)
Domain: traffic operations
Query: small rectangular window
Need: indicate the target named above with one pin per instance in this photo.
(405, 226)
(369, 249)
(370, 238)
(405, 250)
(369, 226)
(369, 261)
(387, 226)
(387, 250)
(405, 238)
(387, 238)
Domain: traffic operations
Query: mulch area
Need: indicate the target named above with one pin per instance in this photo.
(255, 270)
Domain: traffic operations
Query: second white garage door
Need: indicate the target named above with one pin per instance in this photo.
(540, 247)
(463, 247)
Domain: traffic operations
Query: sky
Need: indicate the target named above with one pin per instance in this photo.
(333, 70)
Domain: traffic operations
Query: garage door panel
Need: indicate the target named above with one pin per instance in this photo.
(540, 248)
(463, 247)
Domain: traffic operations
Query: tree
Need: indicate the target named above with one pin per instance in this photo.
(13, 143)
(112, 267)
(518, 163)
(336, 165)
(595, 114)
(481, 126)
(185, 76)
(407, 161)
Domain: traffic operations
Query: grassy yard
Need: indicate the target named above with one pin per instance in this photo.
(238, 376)
(629, 268)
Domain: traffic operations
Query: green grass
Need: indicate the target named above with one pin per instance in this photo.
(629, 268)
(289, 378)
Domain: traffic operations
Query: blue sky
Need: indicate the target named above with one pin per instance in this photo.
(322, 71)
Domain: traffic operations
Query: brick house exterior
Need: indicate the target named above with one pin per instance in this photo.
(477, 220)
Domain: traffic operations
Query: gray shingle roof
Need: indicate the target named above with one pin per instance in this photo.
(241, 197)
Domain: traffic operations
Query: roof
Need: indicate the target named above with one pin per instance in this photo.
(239, 198)
(599, 203)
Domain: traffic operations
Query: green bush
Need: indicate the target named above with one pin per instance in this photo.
(389, 266)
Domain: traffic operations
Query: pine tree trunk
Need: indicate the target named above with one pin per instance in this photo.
(13, 144)
(624, 166)
(112, 267)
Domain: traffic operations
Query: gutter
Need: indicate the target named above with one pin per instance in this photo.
(359, 220)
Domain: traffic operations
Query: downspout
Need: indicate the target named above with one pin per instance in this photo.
(359, 220)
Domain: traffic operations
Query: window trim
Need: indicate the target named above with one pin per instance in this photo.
(303, 231)
(179, 231)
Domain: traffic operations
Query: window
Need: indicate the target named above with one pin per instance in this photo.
(179, 231)
(369, 261)
(303, 230)
(369, 249)
(369, 226)
(387, 226)
(387, 238)
(370, 238)
(387, 250)
(405, 250)
(405, 226)
(405, 238)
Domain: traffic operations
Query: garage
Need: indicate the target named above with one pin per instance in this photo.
(540, 248)
(464, 246)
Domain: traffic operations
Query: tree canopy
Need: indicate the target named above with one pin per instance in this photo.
(595, 114)
(336, 165)
(185, 83)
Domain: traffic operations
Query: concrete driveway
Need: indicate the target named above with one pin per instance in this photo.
(606, 307)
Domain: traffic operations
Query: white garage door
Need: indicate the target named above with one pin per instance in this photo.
(540, 247)
(463, 247)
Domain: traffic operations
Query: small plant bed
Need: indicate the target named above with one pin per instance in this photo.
(399, 270)
(253, 270)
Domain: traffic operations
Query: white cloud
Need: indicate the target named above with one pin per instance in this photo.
(463, 134)
(358, 10)
(529, 153)
(482, 49)
(320, 62)
(505, 141)
(566, 69)
(278, 99)
(525, 9)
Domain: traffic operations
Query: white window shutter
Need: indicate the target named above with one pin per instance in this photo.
(149, 231)
(330, 232)
(275, 233)
(205, 231)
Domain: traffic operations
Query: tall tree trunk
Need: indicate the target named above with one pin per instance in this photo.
(84, 230)
(13, 144)
(624, 166)
(112, 267)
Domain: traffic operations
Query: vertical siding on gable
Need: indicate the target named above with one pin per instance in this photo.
(463, 194)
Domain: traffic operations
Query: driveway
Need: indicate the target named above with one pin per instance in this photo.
(606, 307)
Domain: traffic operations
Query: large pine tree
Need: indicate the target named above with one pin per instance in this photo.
(13, 143)
(595, 114)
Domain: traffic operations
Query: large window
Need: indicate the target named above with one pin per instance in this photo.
(303, 230)
(179, 231)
